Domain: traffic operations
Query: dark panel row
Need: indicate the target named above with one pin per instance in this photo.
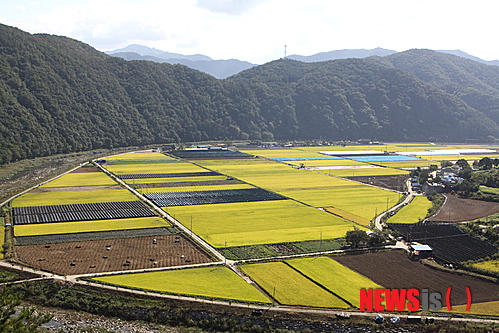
(89, 236)
(450, 244)
(54, 209)
(82, 216)
(165, 199)
(168, 175)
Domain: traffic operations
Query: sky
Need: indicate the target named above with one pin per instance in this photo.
(258, 30)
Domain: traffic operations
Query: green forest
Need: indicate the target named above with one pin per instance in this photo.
(59, 95)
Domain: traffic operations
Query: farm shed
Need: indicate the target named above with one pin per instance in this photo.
(420, 251)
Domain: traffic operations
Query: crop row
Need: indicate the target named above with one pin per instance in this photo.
(449, 243)
(90, 236)
(218, 153)
(166, 199)
(83, 216)
(168, 175)
(55, 209)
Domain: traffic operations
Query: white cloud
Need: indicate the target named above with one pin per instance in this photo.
(257, 30)
(231, 7)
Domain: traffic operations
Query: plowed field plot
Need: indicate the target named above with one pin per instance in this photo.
(111, 255)
(392, 269)
(395, 182)
(459, 210)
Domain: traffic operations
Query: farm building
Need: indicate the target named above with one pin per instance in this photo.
(420, 251)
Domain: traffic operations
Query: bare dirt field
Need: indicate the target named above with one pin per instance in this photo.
(111, 255)
(392, 269)
(460, 210)
(390, 182)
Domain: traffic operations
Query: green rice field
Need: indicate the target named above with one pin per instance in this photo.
(337, 278)
(289, 287)
(487, 308)
(423, 163)
(196, 188)
(490, 265)
(281, 153)
(356, 172)
(414, 212)
(138, 156)
(334, 163)
(213, 282)
(173, 179)
(88, 226)
(262, 222)
(81, 179)
(72, 197)
(314, 189)
(489, 190)
(174, 167)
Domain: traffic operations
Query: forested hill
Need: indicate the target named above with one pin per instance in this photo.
(60, 95)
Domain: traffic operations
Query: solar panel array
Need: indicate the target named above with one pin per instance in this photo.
(210, 153)
(81, 212)
(168, 175)
(165, 199)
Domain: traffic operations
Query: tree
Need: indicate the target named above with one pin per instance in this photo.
(24, 321)
(377, 238)
(445, 164)
(466, 187)
(485, 163)
(356, 237)
(462, 163)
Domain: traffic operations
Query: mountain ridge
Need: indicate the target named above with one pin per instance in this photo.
(234, 66)
(59, 95)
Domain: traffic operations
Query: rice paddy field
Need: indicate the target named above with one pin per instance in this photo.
(311, 188)
(486, 308)
(355, 172)
(490, 265)
(130, 157)
(81, 179)
(212, 282)
(88, 226)
(197, 188)
(152, 168)
(422, 163)
(262, 222)
(331, 163)
(289, 287)
(72, 197)
(335, 277)
(316, 206)
(173, 179)
(414, 212)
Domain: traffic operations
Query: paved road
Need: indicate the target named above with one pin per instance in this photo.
(377, 221)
